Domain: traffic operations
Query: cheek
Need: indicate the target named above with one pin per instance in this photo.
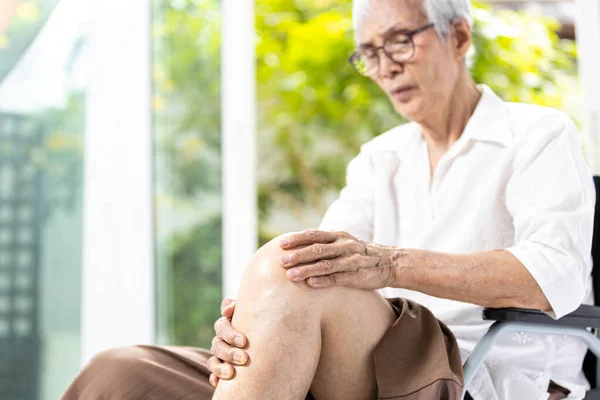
(433, 71)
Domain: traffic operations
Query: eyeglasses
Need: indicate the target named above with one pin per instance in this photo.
(398, 46)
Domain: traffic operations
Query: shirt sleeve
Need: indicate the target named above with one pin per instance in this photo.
(352, 212)
(550, 196)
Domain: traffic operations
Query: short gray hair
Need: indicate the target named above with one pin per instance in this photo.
(439, 12)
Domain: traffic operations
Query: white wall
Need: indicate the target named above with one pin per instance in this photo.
(588, 42)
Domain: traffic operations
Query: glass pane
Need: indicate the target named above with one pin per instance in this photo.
(187, 142)
(42, 102)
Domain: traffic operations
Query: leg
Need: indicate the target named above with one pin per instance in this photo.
(144, 372)
(303, 339)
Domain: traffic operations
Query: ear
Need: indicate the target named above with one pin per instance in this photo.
(461, 37)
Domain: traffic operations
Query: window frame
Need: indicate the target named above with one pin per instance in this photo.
(118, 296)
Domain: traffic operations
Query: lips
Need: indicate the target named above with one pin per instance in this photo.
(401, 89)
(402, 93)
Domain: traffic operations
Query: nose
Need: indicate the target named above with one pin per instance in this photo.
(388, 68)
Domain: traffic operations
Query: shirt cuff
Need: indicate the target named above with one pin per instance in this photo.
(558, 279)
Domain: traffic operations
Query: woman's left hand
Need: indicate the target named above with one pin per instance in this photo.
(324, 259)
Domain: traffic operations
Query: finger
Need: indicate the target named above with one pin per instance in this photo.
(308, 237)
(225, 352)
(225, 332)
(328, 267)
(224, 371)
(227, 301)
(312, 253)
(341, 279)
(214, 381)
(228, 311)
(220, 369)
(212, 363)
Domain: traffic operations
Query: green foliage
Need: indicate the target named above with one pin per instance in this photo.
(194, 290)
(186, 103)
(314, 112)
(521, 57)
(186, 99)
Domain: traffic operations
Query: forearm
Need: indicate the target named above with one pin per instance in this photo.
(492, 279)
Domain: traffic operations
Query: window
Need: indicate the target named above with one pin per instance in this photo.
(42, 115)
(187, 189)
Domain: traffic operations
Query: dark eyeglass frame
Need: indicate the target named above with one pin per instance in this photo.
(355, 57)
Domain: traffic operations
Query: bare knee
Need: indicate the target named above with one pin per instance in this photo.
(265, 266)
(267, 293)
(266, 290)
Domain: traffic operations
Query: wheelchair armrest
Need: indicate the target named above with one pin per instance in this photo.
(584, 317)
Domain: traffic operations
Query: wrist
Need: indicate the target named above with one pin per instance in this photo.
(401, 262)
(407, 264)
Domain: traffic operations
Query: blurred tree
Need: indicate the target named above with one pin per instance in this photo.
(187, 123)
(314, 112)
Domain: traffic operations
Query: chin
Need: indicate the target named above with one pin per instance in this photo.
(409, 110)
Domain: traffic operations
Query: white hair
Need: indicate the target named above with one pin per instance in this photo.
(439, 12)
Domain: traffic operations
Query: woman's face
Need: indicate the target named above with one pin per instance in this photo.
(421, 84)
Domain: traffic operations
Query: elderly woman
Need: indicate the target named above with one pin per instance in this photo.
(475, 203)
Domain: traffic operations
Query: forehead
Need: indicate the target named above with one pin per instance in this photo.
(385, 14)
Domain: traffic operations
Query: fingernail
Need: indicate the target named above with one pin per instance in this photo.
(238, 356)
(294, 273)
(284, 242)
(224, 372)
(286, 258)
(238, 341)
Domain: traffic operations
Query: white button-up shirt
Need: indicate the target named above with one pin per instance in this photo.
(515, 180)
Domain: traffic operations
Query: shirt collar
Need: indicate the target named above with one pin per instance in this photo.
(489, 122)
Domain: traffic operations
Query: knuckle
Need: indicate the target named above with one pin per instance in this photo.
(318, 248)
(209, 363)
(222, 351)
(224, 326)
(326, 266)
(213, 364)
(230, 354)
(312, 233)
(355, 259)
(214, 345)
(225, 302)
(341, 235)
(217, 325)
(357, 247)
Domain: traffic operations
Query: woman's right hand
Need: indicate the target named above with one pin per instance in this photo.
(226, 346)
